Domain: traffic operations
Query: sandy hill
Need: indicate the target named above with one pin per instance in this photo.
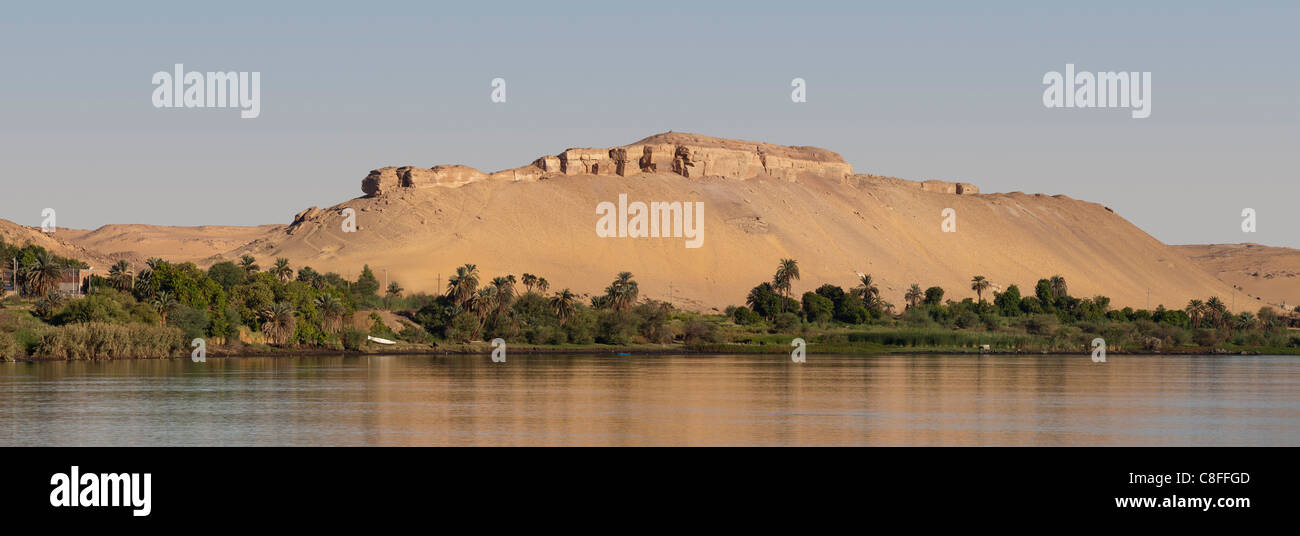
(761, 203)
(136, 243)
(56, 243)
(1264, 274)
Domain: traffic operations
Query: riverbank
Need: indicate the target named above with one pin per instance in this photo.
(484, 348)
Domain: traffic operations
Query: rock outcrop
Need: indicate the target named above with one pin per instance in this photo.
(687, 155)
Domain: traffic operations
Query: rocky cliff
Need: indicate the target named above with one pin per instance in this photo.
(687, 155)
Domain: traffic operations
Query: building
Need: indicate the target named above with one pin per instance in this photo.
(70, 284)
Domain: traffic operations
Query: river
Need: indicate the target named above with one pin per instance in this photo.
(655, 400)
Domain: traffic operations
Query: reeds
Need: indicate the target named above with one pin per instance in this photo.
(98, 340)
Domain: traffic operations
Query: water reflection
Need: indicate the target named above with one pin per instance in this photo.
(654, 400)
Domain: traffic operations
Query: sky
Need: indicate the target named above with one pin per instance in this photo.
(926, 90)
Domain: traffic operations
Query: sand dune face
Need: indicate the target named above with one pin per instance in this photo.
(137, 243)
(761, 203)
(1264, 275)
(57, 243)
(836, 225)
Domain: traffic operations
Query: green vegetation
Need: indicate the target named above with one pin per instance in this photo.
(154, 310)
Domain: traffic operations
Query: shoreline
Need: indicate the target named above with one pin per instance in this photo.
(658, 350)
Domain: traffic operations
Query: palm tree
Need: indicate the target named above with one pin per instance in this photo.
(154, 263)
(331, 311)
(564, 304)
(542, 284)
(43, 276)
(164, 303)
(505, 292)
(249, 264)
(621, 294)
(119, 276)
(529, 281)
(282, 270)
(786, 272)
(462, 286)
(979, 285)
(914, 295)
(279, 322)
(483, 304)
(1195, 309)
(1217, 311)
(393, 292)
(1059, 288)
(1245, 321)
(144, 283)
(867, 290)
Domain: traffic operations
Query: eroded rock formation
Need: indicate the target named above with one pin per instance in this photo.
(689, 155)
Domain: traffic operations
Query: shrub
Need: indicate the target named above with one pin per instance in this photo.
(697, 331)
(191, 321)
(967, 319)
(97, 340)
(1042, 324)
(616, 327)
(744, 316)
(785, 323)
(462, 327)
(353, 339)
(413, 333)
(379, 329)
(9, 350)
(817, 308)
(581, 326)
(1209, 337)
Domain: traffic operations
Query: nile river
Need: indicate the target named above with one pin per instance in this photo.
(655, 400)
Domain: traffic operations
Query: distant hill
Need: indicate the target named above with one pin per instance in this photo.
(761, 204)
(1265, 274)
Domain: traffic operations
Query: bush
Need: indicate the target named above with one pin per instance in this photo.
(744, 316)
(616, 327)
(1042, 324)
(413, 333)
(379, 329)
(697, 331)
(581, 327)
(191, 321)
(462, 327)
(785, 323)
(97, 340)
(353, 339)
(817, 308)
(9, 349)
(967, 319)
(1209, 337)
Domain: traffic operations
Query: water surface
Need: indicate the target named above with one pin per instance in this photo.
(655, 400)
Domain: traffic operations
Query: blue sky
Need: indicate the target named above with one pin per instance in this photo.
(947, 90)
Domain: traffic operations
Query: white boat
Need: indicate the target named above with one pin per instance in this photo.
(379, 340)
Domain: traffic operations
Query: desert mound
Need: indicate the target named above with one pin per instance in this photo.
(761, 203)
(1264, 275)
(56, 243)
(137, 243)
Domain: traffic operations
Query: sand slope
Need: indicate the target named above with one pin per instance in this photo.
(56, 243)
(835, 228)
(1265, 275)
(136, 243)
